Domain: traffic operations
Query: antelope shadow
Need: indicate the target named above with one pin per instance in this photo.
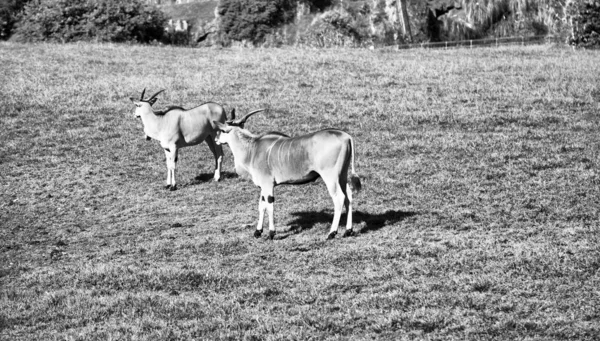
(206, 177)
(372, 222)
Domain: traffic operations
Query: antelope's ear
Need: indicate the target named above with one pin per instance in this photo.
(152, 101)
(232, 114)
(222, 127)
(132, 100)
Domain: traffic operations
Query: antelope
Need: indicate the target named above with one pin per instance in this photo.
(176, 128)
(273, 159)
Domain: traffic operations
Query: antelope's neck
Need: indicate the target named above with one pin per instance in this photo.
(152, 124)
(240, 151)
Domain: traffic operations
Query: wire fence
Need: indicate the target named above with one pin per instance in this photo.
(490, 42)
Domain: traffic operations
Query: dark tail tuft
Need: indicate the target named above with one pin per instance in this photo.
(355, 182)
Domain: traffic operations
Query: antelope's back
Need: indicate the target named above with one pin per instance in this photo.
(196, 124)
(296, 159)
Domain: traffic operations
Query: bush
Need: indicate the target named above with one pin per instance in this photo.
(332, 28)
(90, 20)
(584, 19)
(253, 20)
(9, 15)
(337, 27)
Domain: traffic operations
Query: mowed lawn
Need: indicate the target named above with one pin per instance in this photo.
(478, 219)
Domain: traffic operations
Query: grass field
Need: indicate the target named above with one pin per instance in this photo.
(478, 217)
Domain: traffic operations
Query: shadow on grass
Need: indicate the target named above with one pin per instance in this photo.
(206, 177)
(372, 222)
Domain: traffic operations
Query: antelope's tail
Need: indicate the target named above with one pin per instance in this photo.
(354, 179)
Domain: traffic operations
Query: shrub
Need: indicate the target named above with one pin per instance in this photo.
(332, 28)
(337, 27)
(9, 15)
(90, 20)
(584, 19)
(253, 20)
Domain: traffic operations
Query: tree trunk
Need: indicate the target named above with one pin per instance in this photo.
(403, 20)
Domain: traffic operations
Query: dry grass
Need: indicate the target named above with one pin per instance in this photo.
(478, 220)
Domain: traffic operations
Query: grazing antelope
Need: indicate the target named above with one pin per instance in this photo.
(273, 159)
(176, 128)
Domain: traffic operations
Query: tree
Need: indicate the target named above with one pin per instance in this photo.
(584, 19)
(253, 20)
(90, 20)
(10, 11)
(402, 14)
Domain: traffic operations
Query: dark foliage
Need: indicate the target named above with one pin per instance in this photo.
(584, 17)
(253, 20)
(319, 5)
(9, 15)
(90, 20)
(435, 10)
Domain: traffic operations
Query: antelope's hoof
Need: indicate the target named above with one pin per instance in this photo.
(271, 235)
(257, 233)
(173, 188)
(331, 235)
(349, 233)
(148, 138)
(168, 187)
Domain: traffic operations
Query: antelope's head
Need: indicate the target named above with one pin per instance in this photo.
(142, 105)
(224, 136)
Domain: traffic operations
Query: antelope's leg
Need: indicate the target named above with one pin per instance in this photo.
(171, 154)
(168, 161)
(270, 203)
(217, 151)
(338, 203)
(348, 204)
(262, 205)
(347, 195)
(174, 158)
(266, 203)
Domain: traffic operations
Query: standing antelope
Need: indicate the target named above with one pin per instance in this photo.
(273, 159)
(176, 128)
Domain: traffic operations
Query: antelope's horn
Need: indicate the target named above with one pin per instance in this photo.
(142, 96)
(243, 119)
(156, 94)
